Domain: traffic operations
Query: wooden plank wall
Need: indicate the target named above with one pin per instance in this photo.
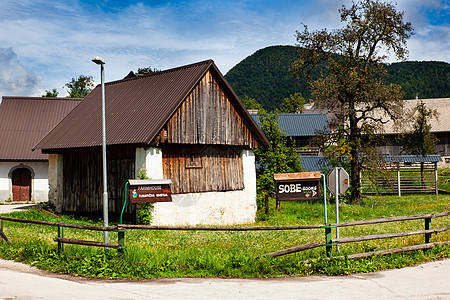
(207, 117)
(83, 183)
(215, 168)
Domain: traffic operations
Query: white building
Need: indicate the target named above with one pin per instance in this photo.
(23, 122)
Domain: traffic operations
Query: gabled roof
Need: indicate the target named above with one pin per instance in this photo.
(25, 120)
(301, 124)
(136, 109)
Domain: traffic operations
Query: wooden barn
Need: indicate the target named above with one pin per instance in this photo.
(185, 124)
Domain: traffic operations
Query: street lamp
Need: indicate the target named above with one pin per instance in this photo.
(99, 61)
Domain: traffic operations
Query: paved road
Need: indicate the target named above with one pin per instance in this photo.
(7, 208)
(426, 281)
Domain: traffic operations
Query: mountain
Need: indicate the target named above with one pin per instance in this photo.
(265, 76)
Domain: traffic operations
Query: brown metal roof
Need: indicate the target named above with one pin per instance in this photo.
(25, 120)
(136, 109)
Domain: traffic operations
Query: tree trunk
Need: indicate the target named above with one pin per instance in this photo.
(355, 184)
(355, 138)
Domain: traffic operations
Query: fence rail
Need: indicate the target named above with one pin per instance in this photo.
(400, 182)
(328, 243)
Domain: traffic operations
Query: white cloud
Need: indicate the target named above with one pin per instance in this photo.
(57, 39)
(15, 79)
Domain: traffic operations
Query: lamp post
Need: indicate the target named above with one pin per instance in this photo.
(99, 61)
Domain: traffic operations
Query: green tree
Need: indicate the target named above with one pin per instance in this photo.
(354, 84)
(250, 103)
(52, 93)
(147, 70)
(420, 140)
(294, 104)
(80, 87)
(278, 157)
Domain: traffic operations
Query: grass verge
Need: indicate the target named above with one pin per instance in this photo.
(153, 254)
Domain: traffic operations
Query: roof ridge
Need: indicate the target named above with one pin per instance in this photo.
(40, 98)
(205, 62)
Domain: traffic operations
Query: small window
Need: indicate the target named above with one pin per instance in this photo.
(194, 161)
(447, 160)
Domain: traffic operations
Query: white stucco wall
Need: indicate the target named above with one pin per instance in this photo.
(150, 160)
(39, 183)
(213, 208)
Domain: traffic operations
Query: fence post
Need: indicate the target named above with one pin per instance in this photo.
(427, 227)
(267, 202)
(60, 235)
(121, 240)
(328, 237)
(436, 179)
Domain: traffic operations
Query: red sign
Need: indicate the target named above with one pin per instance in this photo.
(149, 191)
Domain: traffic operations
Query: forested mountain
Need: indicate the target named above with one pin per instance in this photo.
(265, 76)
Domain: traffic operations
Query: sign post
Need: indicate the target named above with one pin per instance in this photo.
(156, 190)
(338, 184)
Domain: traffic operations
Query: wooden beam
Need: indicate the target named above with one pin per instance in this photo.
(295, 249)
(3, 236)
(86, 243)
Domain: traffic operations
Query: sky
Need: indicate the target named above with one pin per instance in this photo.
(46, 43)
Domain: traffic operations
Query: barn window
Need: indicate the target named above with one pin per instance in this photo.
(203, 168)
(194, 161)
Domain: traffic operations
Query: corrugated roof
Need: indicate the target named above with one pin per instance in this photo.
(301, 124)
(136, 109)
(414, 158)
(320, 163)
(25, 120)
(315, 163)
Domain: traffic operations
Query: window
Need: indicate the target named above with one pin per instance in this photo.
(194, 161)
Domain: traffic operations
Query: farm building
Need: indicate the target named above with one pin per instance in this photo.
(184, 124)
(23, 122)
(440, 127)
(302, 128)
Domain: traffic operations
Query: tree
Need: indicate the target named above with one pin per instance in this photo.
(354, 84)
(420, 140)
(52, 93)
(147, 70)
(250, 103)
(80, 87)
(294, 104)
(278, 157)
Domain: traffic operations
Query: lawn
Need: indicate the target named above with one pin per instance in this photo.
(151, 254)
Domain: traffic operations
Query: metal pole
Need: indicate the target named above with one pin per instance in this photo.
(325, 197)
(336, 182)
(436, 179)
(105, 173)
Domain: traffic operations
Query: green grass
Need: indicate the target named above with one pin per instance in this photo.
(152, 254)
(444, 179)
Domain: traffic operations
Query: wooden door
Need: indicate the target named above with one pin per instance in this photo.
(21, 185)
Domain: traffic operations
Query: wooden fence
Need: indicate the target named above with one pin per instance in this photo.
(328, 243)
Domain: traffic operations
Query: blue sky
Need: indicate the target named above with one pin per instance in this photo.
(43, 44)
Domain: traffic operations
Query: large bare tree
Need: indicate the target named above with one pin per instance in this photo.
(353, 85)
